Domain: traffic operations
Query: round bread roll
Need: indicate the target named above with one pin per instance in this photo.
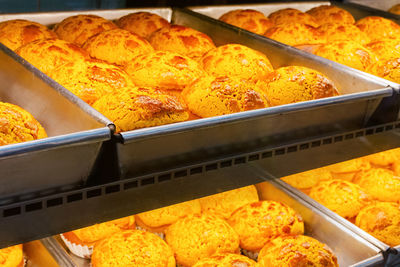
(297, 250)
(132, 248)
(236, 60)
(135, 108)
(164, 70)
(332, 32)
(46, 55)
(379, 183)
(295, 34)
(384, 159)
(78, 29)
(331, 14)
(259, 222)
(306, 180)
(18, 32)
(18, 125)
(346, 170)
(381, 220)
(200, 236)
(90, 79)
(395, 9)
(378, 28)
(299, 83)
(12, 256)
(385, 49)
(183, 40)
(117, 46)
(142, 23)
(291, 15)
(340, 196)
(88, 236)
(348, 53)
(210, 96)
(224, 204)
(226, 260)
(248, 19)
(159, 219)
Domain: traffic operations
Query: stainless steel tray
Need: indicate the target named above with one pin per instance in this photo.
(66, 157)
(46, 253)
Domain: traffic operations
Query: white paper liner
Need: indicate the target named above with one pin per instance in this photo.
(160, 234)
(79, 250)
(252, 255)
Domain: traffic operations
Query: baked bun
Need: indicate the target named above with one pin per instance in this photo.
(210, 96)
(340, 196)
(88, 236)
(78, 29)
(259, 222)
(236, 60)
(297, 250)
(132, 248)
(291, 15)
(12, 256)
(379, 183)
(135, 108)
(395, 9)
(182, 40)
(306, 180)
(164, 70)
(90, 79)
(346, 170)
(18, 125)
(159, 219)
(117, 46)
(384, 159)
(226, 260)
(200, 236)
(332, 32)
(295, 84)
(388, 69)
(46, 55)
(18, 32)
(348, 53)
(385, 49)
(142, 23)
(224, 204)
(378, 28)
(295, 34)
(248, 19)
(381, 220)
(331, 14)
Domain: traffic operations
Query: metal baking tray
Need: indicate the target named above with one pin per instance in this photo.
(66, 157)
(382, 5)
(45, 252)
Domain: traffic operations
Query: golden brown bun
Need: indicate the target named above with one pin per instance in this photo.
(295, 34)
(348, 53)
(248, 19)
(388, 69)
(182, 40)
(384, 159)
(385, 49)
(12, 256)
(135, 108)
(142, 23)
(378, 28)
(306, 180)
(295, 84)
(46, 55)
(343, 32)
(117, 46)
(226, 260)
(200, 236)
(296, 251)
(346, 170)
(224, 204)
(18, 125)
(165, 70)
(382, 220)
(132, 248)
(78, 29)
(259, 222)
(209, 96)
(16, 33)
(340, 196)
(331, 14)
(236, 60)
(395, 9)
(291, 15)
(90, 79)
(379, 183)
